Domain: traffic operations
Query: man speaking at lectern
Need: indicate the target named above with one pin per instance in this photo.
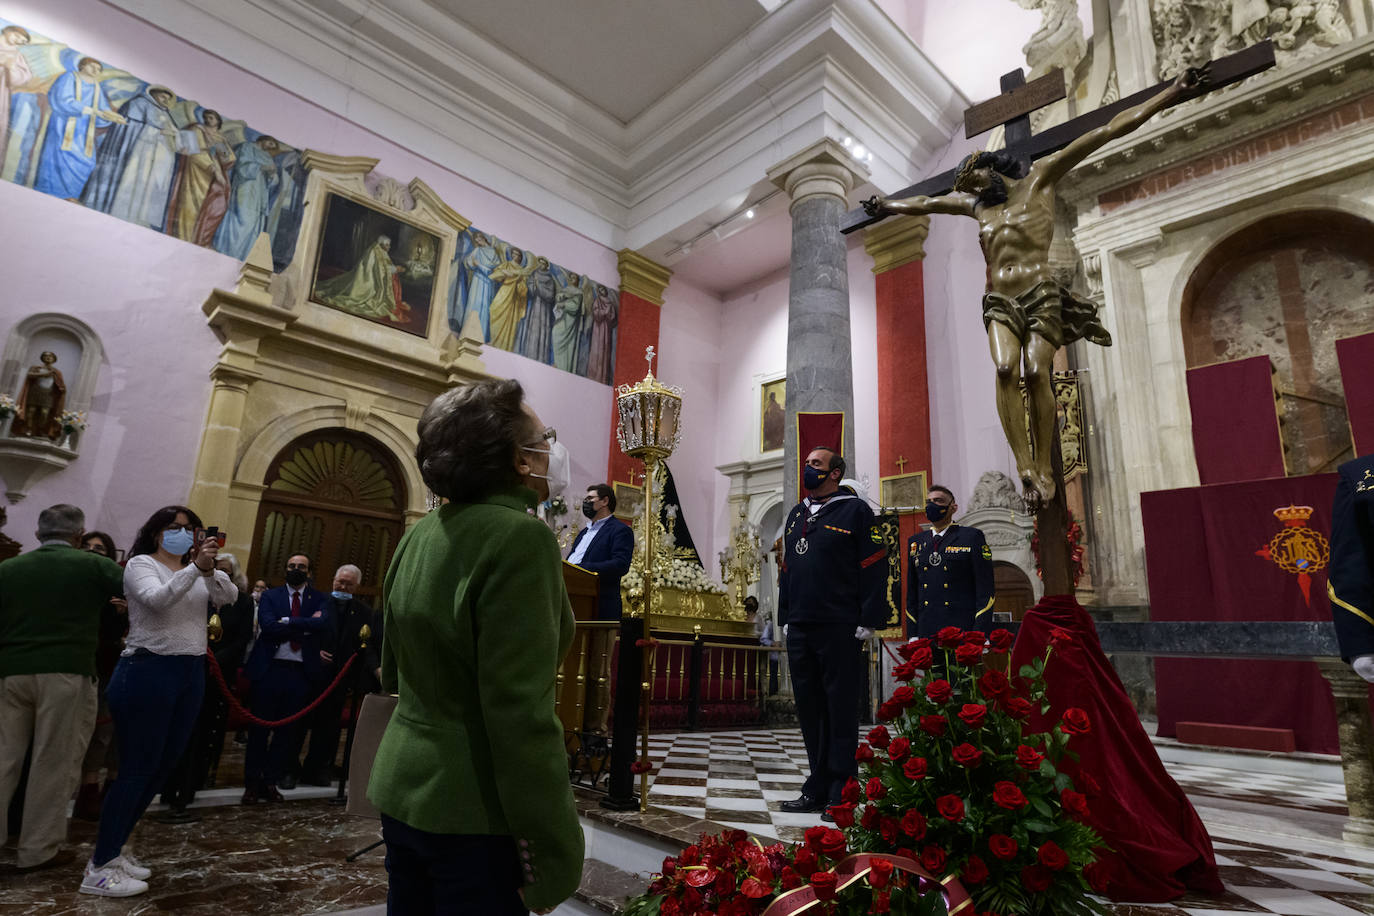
(604, 547)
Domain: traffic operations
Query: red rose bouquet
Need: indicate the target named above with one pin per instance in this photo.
(955, 779)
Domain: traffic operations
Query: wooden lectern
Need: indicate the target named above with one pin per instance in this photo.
(572, 676)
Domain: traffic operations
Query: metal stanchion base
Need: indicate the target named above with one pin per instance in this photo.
(339, 800)
(354, 856)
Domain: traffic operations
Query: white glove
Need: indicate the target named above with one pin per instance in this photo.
(1364, 666)
(863, 634)
(912, 639)
(784, 631)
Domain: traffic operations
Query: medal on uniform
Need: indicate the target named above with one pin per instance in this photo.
(935, 559)
(802, 546)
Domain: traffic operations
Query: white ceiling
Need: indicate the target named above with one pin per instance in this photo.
(619, 55)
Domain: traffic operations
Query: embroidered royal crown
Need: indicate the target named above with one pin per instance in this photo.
(1293, 513)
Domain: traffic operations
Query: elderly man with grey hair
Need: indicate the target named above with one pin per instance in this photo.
(50, 603)
(350, 614)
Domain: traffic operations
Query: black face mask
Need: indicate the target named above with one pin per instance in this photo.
(936, 512)
(296, 577)
(589, 508)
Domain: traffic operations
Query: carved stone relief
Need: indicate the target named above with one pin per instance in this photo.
(1190, 32)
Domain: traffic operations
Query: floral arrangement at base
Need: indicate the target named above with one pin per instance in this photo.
(733, 874)
(680, 573)
(8, 407)
(72, 421)
(957, 779)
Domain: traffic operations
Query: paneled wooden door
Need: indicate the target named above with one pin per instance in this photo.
(337, 497)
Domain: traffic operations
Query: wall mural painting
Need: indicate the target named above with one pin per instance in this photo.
(531, 307)
(77, 128)
(375, 266)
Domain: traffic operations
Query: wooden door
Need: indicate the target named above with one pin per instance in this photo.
(1013, 590)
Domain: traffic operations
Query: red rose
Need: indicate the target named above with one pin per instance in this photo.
(939, 690)
(1076, 803)
(805, 861)
(1018, 707)
(906, 650)
(850, 793)
(949, 636)
(888, 711)
(823, 882)
(790, 879)
(879, 874)
(875, 789)
(1002, 846)
(1098, 876)
(914, 824)
(812, 836)
(832, 844)
(966, 755)
(973, 714)
(975, 871)
(864, 753)
(882, 903)
(973, 638)
(690, 856)
(1006, 795)
(951, 808)
(843, 815)
(725, 883)
(968, 655)
(753, 888)
(869, 819)
(1075, 722)
(934, 725)
(879, 737)
(904, 696)
(1001, 640)
(905, 671)
(933, 859)
(994, 684)
(923, 658)
(898, 749)
(1028, 758)
(888, 828)
(1052, 857)
(1036, 878)
(915, 768)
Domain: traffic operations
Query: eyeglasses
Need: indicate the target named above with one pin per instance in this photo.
(549, 435)
(175, 527)
(304, 566)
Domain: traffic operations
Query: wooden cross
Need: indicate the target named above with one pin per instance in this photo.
(901, 464)
(1018, 99)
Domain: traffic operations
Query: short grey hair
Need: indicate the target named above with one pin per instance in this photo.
(60, 521)
(468, 439)
(349, 568)
(235, 571)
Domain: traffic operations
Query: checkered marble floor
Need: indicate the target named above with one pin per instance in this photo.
(740, 778)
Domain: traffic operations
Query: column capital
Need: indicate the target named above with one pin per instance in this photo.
(641, 277)
(896, 241)
(823, 168)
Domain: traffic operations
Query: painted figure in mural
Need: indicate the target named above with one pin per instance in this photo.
(79, 106)
(41, 400)
(601, 359)
(1027, 315)
(535, 339)
(200, 196)
(137, 159)
(371, 289)
(252, 183)
(288, 204)
(512, 293)
(569, 319)
(481, 288)
(458, 282)
(14, 71)
(774, 419)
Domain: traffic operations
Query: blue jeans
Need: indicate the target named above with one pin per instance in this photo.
(449, 874)
(154, 700)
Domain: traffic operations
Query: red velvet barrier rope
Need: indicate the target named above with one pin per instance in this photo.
(237, 707)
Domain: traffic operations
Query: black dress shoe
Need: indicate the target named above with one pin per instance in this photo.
(270, 794)
(315, 779)
(287, 782)
(802, 804)
(250, 796)
(827, 817)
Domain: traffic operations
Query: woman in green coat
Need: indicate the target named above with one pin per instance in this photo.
(471, 776)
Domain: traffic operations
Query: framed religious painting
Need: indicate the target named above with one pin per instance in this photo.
(375, 265)
(772, 414)
(629, 501)
(904, 493)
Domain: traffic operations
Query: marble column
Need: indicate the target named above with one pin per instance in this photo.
(819, 355)
(642, 284)
(1357, 747)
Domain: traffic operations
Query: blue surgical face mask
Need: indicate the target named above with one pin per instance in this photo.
(812, 478)
(936, 512)
(178, 542)
(342, 596)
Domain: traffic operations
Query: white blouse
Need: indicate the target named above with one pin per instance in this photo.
(167, 610)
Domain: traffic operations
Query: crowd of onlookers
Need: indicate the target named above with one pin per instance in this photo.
(106, 668)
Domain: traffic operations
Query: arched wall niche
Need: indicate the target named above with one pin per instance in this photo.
(78, 350)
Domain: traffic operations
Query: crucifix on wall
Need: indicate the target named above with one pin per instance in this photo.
(1028, 315)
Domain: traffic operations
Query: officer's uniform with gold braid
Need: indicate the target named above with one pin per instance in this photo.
(949, 582)
(1351, 580)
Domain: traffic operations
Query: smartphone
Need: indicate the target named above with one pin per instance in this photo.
(212, 532)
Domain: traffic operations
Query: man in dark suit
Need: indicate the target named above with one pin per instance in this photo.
(949, 572)
(604, 547)
(350, 614)
(1350, 583)
(286, 662)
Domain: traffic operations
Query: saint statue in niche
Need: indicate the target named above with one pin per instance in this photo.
(41, 400)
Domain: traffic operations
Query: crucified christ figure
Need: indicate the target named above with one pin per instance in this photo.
(1028, 316)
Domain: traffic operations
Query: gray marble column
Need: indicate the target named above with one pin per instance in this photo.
(819, 355)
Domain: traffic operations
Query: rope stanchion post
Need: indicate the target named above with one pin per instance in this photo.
(364, 634)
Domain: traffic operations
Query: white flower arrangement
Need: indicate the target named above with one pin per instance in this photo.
(72, 421)
(8, 407)
(679, 573)
(557, 506)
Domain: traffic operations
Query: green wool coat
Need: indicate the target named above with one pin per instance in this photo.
(477, 621)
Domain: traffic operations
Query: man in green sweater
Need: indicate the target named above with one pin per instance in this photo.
(50, 602)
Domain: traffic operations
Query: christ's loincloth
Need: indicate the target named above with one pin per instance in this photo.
(1049, 310)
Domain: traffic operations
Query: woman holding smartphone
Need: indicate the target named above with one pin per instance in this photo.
(156, 689)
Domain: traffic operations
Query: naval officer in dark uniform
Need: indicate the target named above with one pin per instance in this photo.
(831, 599)
(1350, 583)
(948, 572)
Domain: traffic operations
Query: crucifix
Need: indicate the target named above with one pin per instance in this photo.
(901, 463)
(1027, 314)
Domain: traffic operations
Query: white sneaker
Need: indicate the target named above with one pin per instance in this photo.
(111, 881)
(131, 866)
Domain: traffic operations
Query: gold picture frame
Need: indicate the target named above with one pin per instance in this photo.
(904, 492)
(772, 414)
(629, 501)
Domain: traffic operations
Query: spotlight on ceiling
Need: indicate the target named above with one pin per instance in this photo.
(749, 214)
(848, 141)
